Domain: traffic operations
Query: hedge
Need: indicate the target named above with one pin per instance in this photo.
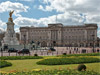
(72, 60)
(19, 57)
(4, 63)
(86, 54)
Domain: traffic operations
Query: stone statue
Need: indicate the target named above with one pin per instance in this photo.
(10, 14)
(10, 35)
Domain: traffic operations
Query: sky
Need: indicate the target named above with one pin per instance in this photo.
(40, 13)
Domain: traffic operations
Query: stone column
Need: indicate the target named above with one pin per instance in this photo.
(20, 37)
(84, 44)
(85, 35)
(60, 36)
(78, 44)
(47, 44)
(95, 38)
(27, 37)
(49, 36)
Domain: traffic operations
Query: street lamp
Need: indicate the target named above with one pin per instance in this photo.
(98, 40)
(93, 42)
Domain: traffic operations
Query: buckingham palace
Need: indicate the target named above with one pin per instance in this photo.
(61, 35)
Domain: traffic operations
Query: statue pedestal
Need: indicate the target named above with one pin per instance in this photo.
(10, 35)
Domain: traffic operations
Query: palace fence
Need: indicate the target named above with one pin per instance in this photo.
(59, 51)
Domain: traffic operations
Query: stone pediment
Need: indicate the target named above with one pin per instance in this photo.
(55, 25)
(91, 28)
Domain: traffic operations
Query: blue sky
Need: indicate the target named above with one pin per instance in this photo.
(33, 12)
(42, 12)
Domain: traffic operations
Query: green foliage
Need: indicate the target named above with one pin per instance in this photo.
(19, 57)
(81, 67)
(4, 63)
(35, 54)
(54, 72)
(72, 60)
(64, 53)
(86, 54)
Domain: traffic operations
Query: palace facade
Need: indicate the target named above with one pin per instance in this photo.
(60, 35)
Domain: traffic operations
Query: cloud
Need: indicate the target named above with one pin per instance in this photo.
(2, 24)
(26, 0)
(94, 18)
(1, 30)
(16, 6)
(67, 20)
(17, 30)
(98, 33)
(59, 6)
(89, 8)
(23, 21)
(72, 5)
(41, 7)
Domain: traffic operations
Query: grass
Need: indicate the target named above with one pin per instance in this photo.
(30, 64)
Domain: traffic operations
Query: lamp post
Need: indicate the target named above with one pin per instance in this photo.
(93, 42)
(24, 41)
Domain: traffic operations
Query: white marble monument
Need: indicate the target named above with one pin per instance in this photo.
(10, 35)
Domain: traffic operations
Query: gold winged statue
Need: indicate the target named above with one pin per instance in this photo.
(10, 14)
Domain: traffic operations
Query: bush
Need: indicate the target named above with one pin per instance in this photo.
(4, 63)
(35, 54)
(64, 53)
(87, 54)
(19, 57)
(72, 60)
(54, 72)
(81, 67)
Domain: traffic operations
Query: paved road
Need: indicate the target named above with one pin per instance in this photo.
(59, 51)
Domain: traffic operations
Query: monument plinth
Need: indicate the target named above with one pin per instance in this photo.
(10, 35)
